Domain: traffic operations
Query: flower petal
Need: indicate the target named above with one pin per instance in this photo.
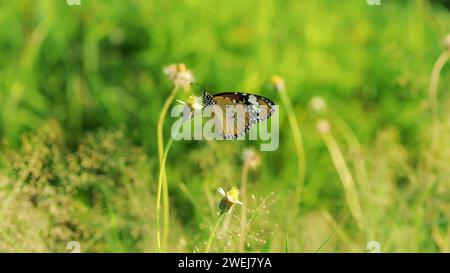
(221, 191)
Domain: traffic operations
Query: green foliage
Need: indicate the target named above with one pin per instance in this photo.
(95, 195)
(69, 72)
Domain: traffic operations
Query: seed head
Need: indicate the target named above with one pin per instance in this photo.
(317, 104)
(323, 126)
(252, 158)
(447, 42)
(278, 82)
(179, 75)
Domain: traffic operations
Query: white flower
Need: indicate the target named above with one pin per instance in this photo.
(179, 75)
(229, 199)
(323, 126)
(193, 104)
(447, 41)
(317, 104)
(252, 158)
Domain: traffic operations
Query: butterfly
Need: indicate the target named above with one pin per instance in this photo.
(235, 113)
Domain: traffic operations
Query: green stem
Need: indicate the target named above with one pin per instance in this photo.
(298, 141)
(161, 179)
(213, 231)
(355, 150)
(345, 176)
(165, 190)
(434, 81)
(243, 210)
(162, 172)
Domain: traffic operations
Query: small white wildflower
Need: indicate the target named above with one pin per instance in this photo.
(193, 104)
(447, 41)
(323, 126)
(252, 158)
(179, 75)
(229, 199)
(317, 104)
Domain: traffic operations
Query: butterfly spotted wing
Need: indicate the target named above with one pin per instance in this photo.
(234, 113)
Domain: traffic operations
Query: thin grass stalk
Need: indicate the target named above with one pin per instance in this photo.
(433, 90)
(243, 223)
(325, 242)
(339, 231)
(161, 178)
(213, 231)
(162, 172)
(355, 149)
(359, 162)
(298, 141)
(345, 177)
(165, 189)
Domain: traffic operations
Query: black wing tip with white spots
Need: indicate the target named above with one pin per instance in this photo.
(208, 99)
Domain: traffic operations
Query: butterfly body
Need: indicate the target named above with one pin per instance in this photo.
(234, 113)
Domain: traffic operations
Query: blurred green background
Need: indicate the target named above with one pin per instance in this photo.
(81, 89)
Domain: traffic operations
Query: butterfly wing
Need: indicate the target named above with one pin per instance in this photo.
(234, 113)
(231, 119)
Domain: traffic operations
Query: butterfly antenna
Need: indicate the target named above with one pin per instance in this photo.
(201, 86)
